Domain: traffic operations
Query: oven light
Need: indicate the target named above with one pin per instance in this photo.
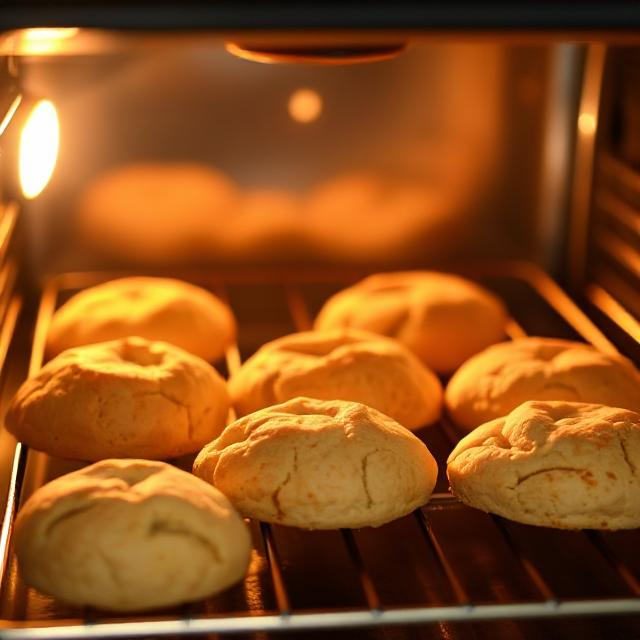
(45, 40)
(305, 105)
(39, 142)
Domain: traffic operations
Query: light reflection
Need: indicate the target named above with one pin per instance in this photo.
(586, 124)
(305, 105)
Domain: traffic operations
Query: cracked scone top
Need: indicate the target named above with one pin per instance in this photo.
(319, 464)
(154, 308)
(130, 535)
(557, 464)
(344, 364)
(442, 318)
(494, 382)
(128, 398)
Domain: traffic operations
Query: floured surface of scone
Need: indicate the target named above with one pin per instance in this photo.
(154, 308)
(344, 364)
(442, 318)
(123, 398)
(130, 535)
(494, 382)
(555, 464)
(319, 465)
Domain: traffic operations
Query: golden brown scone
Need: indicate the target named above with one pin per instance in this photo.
(497, 380)
(568, 465)
(128, 398)
(155, 308)
(319, 464)
(129, 535)
(442, 318)
(364, 215)
(344, 364)
(153, 212)
(268, 223)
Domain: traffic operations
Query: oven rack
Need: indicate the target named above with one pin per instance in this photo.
(282, 613)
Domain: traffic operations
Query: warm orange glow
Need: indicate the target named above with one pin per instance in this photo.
(586, 124)
(305, 105)
(39, 143)
(48, 40)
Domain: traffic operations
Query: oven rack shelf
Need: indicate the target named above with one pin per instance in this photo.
(279, 606)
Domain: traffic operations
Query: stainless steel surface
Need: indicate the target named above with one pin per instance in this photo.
(561, 107)
(587, 128)
(341, 580)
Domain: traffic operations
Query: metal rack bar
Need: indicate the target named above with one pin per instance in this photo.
(329, 620)
(368, 587)
(20, 452)
(596, 539)
(555, 297)
(618, 251)
(458, 589)
(604, 301)
(275, 567)
(529, 568)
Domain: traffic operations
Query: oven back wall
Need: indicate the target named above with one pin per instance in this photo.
(429, 157)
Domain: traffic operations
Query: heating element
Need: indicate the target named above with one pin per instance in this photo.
(443, 565)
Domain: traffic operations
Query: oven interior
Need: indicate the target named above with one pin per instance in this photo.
(515, 163)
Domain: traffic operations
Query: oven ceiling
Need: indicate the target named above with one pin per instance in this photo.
(438, 16)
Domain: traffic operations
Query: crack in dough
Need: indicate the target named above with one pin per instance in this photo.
(66, 516)
(175, 401)
(543, 471)
(171, 528)
(275, 496)
(625, 455)
(365, 479)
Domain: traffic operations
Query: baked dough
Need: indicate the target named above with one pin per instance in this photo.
(365, 216)
(494, 382)
(130, 535)
(442, 318)
(155, 308)
(557, 464)
(344, 364)
(127, 398)
(268, 223)
(154, 212)
(319, 464)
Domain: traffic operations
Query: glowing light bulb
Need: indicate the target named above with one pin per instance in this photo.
(45, 40)
(305, 105)
(39, 143)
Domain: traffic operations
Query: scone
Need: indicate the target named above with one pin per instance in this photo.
(128, 398)
(154, 212)
(557, 464)
(366, 216)
(442, 318)
(268, 223)
(130, 535)
(155, 308)
(318, 464)
(494, 382)
(343, 364)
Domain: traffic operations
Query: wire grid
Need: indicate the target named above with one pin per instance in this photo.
(545, 604)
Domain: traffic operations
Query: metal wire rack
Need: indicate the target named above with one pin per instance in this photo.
(445, 564)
